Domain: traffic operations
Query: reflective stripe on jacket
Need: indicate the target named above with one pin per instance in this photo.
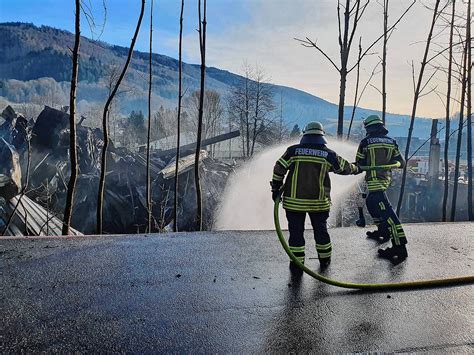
(307, 187)
(377, 150)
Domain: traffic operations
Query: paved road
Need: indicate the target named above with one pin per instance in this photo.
(230, 292)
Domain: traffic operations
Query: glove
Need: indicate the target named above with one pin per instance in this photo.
(276, 189)
(358, 171)
(276, 194)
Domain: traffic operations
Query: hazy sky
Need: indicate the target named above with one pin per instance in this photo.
(263, 31)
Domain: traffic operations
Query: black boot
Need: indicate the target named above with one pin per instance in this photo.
(294, 269)
(324, 263)
(378, 237)
(395, 254)
(373, 234)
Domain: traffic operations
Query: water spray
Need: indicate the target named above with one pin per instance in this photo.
(246, 201)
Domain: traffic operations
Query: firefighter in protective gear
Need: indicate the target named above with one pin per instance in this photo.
(377, 154)
(307, 189)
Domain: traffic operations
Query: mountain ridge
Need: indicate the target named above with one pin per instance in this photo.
(30, 53)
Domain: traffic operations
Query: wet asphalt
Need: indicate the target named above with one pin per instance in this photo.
(231, 292)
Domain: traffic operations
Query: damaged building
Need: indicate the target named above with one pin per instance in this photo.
(40, 205)
(425, 185)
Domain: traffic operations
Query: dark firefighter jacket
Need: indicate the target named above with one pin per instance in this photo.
(376, 151)
(307, 187)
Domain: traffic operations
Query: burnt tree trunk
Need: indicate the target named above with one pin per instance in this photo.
(342, 99)
(71, 186)
(202, 47)
(415, 103)
(344, 50)
(178, 138)
(247, 115)
(150, 82)
(384, 60)
(354, 107)
(257, 113)
(103, 164)
(460, 129)
(469, 113)
(448, 113)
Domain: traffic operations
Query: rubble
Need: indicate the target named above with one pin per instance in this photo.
(125, 190)
(10, 171)
(13, 129)
(184, 165)
(32, 219)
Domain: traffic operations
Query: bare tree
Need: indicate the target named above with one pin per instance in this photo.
(357, 99)
(281, 125)
(354, 107)
(213, 115)
(164, 126)
(202, 47)
(464, 75)
(448, 113)
(112, 73)
(469, 112)
(163, 203)
(352, 10)
(103, 167)
(461, 123)
(240, 107)
(262, 107)
(180, 98)
(150, 82)
(417, 93)
(281, 131)
(384, 59)
(71, 187)
(212, 112)
(251, 104)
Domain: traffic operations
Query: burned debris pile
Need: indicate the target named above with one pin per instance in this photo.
(40, 209)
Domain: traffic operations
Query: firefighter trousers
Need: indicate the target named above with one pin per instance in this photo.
(296, 241)
(385, 218)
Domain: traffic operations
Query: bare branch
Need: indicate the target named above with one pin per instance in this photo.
(310, 43)
(427, 82)
(368, 82)
(376, 88)
(381, 36)
(447, 48)
(339, 22)
(429, 92)
(438, 94)
(354, 25)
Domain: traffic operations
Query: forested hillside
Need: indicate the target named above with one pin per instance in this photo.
(30, 54)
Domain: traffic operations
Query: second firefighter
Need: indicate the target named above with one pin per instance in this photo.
(377, 155)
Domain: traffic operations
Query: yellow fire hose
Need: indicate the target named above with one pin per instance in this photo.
(454, 281)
